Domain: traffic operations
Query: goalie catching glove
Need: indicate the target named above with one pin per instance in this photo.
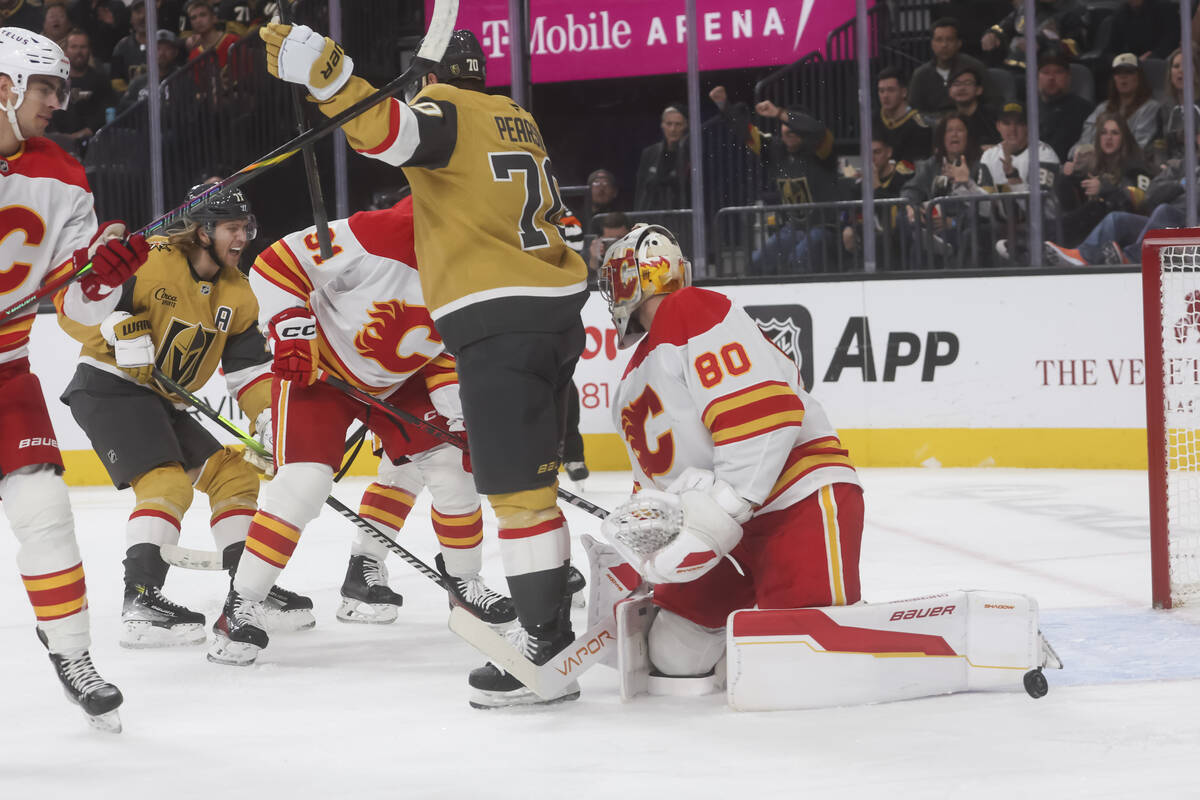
(129, 337)
(113, 261)
(673, 537)
(293, 333)
(298, 54)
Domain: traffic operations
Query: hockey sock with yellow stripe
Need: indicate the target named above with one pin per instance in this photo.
(535, 547)
(269, 546)
(59, 594)
(461, 539)
(385, 507)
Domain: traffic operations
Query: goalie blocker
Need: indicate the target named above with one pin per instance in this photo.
(820, 657)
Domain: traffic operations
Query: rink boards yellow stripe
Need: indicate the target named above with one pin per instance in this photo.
(1045, 448)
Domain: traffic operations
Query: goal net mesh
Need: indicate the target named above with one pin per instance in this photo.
(1180, 314)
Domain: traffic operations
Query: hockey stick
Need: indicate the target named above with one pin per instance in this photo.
(401, 415)
(433, 46)
(315, 198)
(330, 501)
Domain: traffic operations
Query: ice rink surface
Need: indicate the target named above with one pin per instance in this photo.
(350, 711)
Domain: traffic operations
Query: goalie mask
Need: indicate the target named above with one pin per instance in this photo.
(24, 54)
(643, 263)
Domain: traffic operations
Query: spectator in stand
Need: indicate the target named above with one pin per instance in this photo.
(129, 55)
(664, 174)
(243, 16)
(1109, 175)
(927, 90)
(601, 198)
(952, 171)
(801, 168)
(613, 226)
(888, 177)
(1060, 114)
(1130, 95)
(106, 22)
(966, 90)
(1060, 23)
(91, 94)
(1008, 167)
(1168, 141)
(1118, 237)
(908, 136)
(55, 23)
(206, 34)
(1146, 28)
(169, 52)
(20, 14)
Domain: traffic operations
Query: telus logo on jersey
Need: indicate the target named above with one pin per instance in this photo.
(790, 328)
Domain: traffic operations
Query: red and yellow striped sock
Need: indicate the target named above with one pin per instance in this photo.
(271, 539)
(387, 505)
(56, 595)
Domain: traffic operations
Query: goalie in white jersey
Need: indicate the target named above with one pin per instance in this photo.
(358, 315)
(47, 231)
(731, 457)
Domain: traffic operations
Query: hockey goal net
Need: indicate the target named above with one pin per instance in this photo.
(1171, 297)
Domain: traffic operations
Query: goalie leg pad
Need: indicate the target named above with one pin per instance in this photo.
(822, 657)
(679, 647)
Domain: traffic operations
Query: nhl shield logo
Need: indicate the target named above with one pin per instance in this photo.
(790, 329)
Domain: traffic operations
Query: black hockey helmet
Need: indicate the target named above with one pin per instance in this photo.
(463, 59)
(223, 206)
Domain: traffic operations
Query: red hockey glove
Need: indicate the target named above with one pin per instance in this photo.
(113, 261)
(294, 338)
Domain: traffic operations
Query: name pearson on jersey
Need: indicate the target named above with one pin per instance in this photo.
(518, 129)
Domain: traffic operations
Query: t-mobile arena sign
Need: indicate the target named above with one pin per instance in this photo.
(583, 39)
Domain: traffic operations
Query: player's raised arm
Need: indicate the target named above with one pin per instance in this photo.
(422, 134)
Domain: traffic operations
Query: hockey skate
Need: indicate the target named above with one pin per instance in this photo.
(284, 611)
(492, 687)
(149, 619)
(239, 632)
(366, 596)
(475, 596)
(576, 583)
(98, 698)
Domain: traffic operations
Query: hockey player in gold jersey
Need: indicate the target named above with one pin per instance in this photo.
(503, 288)
(188, 310)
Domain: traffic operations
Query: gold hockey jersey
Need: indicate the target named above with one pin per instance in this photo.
(486, 208)
(195, 324)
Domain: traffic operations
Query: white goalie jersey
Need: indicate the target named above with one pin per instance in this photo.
(706, 389)
(374, 330)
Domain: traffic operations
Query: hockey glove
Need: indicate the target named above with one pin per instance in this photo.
(129, 337)
(263, 432)
(113, 261)
(294, 339)
(298, 54)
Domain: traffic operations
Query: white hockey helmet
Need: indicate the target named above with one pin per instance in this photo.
(24, 54)
(643, 263)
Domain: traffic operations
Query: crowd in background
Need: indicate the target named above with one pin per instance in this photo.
(950, 136)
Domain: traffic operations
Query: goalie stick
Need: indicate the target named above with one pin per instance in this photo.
(433, 46)
(200, 557)
(440, 433)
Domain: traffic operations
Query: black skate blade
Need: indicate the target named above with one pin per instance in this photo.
(232, 654)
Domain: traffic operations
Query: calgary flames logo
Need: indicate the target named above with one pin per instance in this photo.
(633, 425)
(391, 323)
(1191, 319)
(617, 267)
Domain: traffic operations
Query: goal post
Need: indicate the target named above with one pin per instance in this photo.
(1171, 318)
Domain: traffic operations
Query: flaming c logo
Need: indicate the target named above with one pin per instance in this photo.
(391, 322)
(623, 289)
(633, 424)
(14, 220)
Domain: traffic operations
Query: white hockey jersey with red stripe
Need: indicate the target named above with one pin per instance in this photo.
(374, 330)
(46, 213)
(706, 389)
